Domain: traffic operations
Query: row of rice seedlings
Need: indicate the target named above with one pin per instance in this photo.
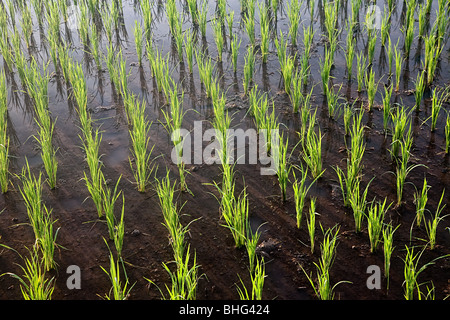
(185, 278)
(37, 87)
(355, 155)
(34, 285)
(90, 138)
(312, 148)
(40, 218)
(324, 289)
(375, 219)
(140, 162)
(4, 138)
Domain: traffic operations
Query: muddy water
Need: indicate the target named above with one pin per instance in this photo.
(220, 261)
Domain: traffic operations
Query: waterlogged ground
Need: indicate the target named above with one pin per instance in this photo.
(284, 247)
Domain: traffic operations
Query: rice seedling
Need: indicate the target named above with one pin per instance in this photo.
(447, 133)
(230, 20)
(202, 17)
(422, 19)
(34, 285)
(257, 279)
(390, 56)
(139, 134)
(325, 69)
(350, 50)
(193, 10)
(205, 70)
(251, 244)
(218, 36)
(147, 17)
(189, 49)
(330, 10)
(398, 66)
(324, 290)
(94, 45)
(236, 216)
(421, 199)
(4, 139)
(432, 53)
(287, 70)
(38, 215)
(347, 117)
(282, 166)
(358, 203)
(109, 199)
(361, 67)
(387, 106)
(375, 217)
(293, 12)
(432, 224)
(354, 160)
(385, 27)
(371, 47)
(400, 121)
(436, 105)
(372, 88)
(408, 28)
(138, 40)
(184, 279)
(264, 31)
(311, 223)
(333, 99)
(412, 288)
(420, 87)
(235, 45)
(300, 192)
(388, 248)
(312, 149)
(296, 95)
(249, 23)
(249, 69)
(119, 288)
(179, 39)
(402, 169)
(281, 46)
